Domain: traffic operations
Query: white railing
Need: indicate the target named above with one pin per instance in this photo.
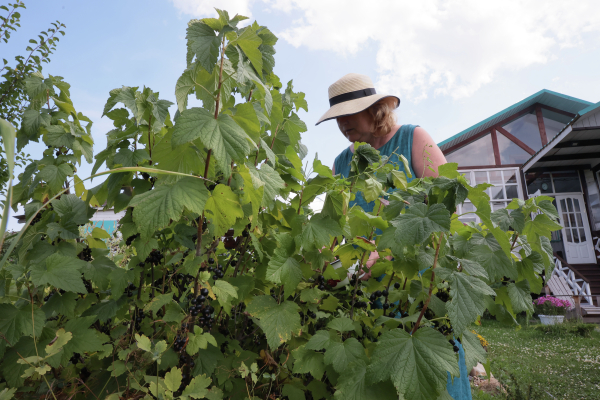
(578, 286)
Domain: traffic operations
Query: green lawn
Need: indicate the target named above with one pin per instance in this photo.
(542, 365)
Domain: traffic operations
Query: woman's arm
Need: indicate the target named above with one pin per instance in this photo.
(419, 159)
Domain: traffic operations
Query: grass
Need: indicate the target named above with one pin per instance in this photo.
(543, 363)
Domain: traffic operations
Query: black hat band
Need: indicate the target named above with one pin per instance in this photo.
(357, 94)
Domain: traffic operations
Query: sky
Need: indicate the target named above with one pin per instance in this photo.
(453, 63)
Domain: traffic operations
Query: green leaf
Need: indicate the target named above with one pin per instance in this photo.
(419, 222)
(340, 355)
(6, 393)
(226, 139)
(103, 310)
(199, 340)
(62, 338)
(59, 271)
(204, 44)
(352, 385)
(416, 364)
(249, 42)
(342, 324)
(467, 300)
(225, 293)
(245, 117)
(308, 361)
(323, 339)
(155, 209)
(173, 379)
(159, 301)
(71, 207)
(272, 182)
(15, 322)
(128, 158)
(318, 232)
(284, 270)
(496, 263)
(474, 353)
(84, 339)
(520, 297)
(55, 176)
(372, 189)
(223, 208)
(197, 388)
(278, 321)
(143, 343)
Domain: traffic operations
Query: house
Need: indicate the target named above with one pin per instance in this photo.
(548, 143)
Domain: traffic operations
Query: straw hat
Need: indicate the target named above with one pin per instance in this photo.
(351, 94)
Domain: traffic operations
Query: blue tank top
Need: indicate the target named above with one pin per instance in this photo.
(400, 143)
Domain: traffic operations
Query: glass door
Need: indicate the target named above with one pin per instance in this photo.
(577, 237)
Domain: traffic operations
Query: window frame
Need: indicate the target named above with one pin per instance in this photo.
(505, 200)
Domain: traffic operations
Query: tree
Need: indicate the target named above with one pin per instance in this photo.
(228, 286)
(13, 97)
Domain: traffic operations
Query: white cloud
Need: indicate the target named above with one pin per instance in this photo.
(206, 8)
(434, 47)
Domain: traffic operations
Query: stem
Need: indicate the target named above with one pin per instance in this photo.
(139, 295)
(199, 234)
(257, 151)
(274, 135)
(300, 203)
(229, 180)
(242, 252)
(220, 79)
(388, 290)
(149, 139)
(330, 249)
(437, 252)
(514, 241)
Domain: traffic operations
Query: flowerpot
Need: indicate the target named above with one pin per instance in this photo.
(551, 319)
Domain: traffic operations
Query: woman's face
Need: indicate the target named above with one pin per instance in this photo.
(357, 127)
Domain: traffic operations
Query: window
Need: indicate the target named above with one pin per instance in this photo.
(554, 122)
(510, 152)
(526, 129)
(506, 187)
(593, 199)
(479, 152)
(552, 183)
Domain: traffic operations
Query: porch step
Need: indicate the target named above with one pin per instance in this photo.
(592, 273)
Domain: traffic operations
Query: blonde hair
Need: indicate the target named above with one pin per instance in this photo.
(383, 116)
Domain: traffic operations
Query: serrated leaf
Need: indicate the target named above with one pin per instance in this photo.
(222, 209)
(417, 364)
(159, 301)
(249, 41)
(203, 42)
(225, 293)
(467, 300)
(278, 321)
(62, 338)
(173, 379)
(520, 297)
(352, 385)
(199, 340)
(197, 388)
(128, 158)
(222, 135)
(342, 324)
(84, 339)
(474, 353)
(308, 361)
(273, 184)
(322, 339)
(318, 232)
(59, 271)
(245, 117)
(155, 209)
(55, 176)
(340, 355)
(284, 270)
(496, 263)
(419, 222)
(15, 322)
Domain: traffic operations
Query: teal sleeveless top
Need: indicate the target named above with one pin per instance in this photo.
(400, 143)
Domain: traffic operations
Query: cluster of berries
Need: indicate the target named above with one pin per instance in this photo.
(130, 239)
(139, 316)
(86, 254)
(218, 271)
(106, 327)
(48, 297)
(75, 358)
(321, 280)
(88, 285)
(454, 346)
(154, 257)
(130, 288)
(179, 343)
(445, 330)
(36, 219)
(443, 296)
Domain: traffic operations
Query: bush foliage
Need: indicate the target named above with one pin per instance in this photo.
(225, 285)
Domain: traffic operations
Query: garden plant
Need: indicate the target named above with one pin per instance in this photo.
(224, 286)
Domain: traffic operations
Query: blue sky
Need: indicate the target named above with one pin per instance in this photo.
(453, 63)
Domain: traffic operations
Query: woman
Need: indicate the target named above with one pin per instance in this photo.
(363, 115)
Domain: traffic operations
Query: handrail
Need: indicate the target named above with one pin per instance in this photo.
(572, 269)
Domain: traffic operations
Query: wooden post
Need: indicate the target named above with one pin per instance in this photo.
(578, 308)
(496, 148)
(541, 126)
